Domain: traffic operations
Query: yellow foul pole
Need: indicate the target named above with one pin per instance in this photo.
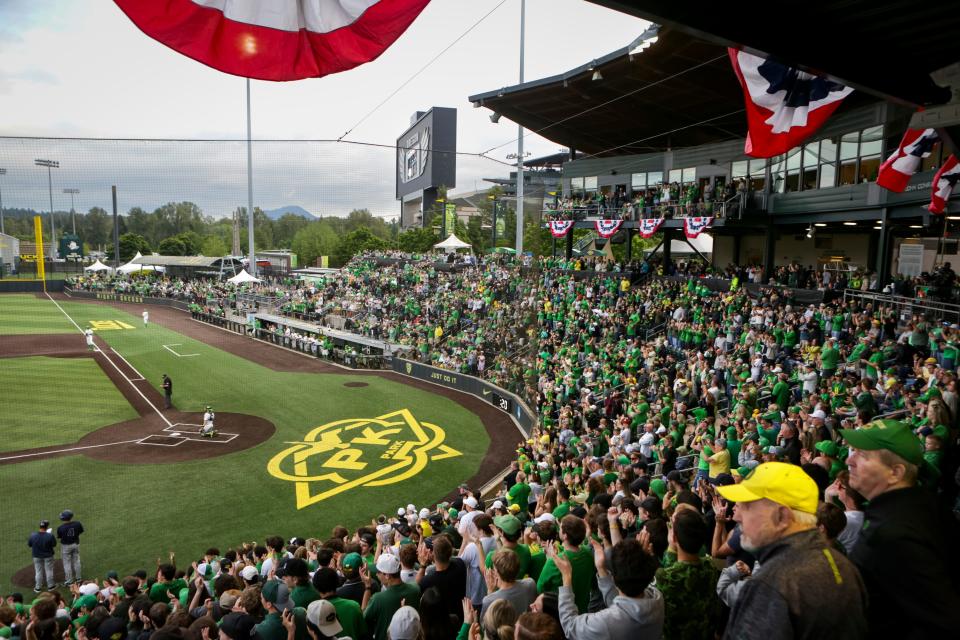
(38, 236)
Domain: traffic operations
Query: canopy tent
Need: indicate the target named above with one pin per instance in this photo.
(243, 277)
(135, 266)
(98, 266)
(507, 250)
(451, 244)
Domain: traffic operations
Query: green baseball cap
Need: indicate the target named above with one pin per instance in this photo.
(5, 632)
(827, 448)
(88, 602)
(732, 432)
(658, 487)
(508, 524)
(892, 435)
(351, 562)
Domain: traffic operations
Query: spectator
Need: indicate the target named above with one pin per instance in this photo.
(378, 609)
(634, 608)
(502, 583)
(802, 588)
(349, 614)
(902, 551)
(573, 531)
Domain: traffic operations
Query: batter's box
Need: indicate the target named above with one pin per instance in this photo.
(220, 438)
(163, 441)
(183, 427)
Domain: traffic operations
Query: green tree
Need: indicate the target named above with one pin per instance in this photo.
(314, 240)
(97, 227)
(355, 242)
(213, 246)
(192, 242)
(286, 228)
(417, 240)
(130, 244)
(172, 247)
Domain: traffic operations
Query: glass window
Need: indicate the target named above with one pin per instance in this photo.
(793, 181)
(809, 179)
(793, 158)
(869, 167)
(811, 155)
(676, 175)
(828, 175)
(576, 184)
(638, 181)
(654, 178)
(739, 169)
(590, 183)
(871, 142)
(848, 145)
(848, 172)
(757, 182)
(777, 175)
(932, 161)
(828, 150)
(689, 175)
(757, 168)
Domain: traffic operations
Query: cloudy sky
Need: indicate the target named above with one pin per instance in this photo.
(82, 70)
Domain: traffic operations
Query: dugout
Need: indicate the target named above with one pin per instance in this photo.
(273, 327)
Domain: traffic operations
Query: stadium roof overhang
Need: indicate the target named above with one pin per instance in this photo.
(677, 92)
(185, 261)
(887, 49)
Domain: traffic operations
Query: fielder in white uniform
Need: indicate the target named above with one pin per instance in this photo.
(146, 318)
(208, 429)
(89, 334)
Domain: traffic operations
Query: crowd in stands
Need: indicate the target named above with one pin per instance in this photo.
(705, 463)
(670, 200)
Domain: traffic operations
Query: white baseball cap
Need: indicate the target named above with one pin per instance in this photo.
(497, 504)
(424, 513)
(546, 517)
(249, 573)
(401, 512)
(89, 589)
(405, 624)
(322, 614)
(388, 563)
(471, 502)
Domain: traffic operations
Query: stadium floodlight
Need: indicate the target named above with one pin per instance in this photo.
(3, 172)
(73, 215)
(50, 164)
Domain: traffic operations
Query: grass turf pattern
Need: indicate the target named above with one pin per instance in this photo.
(36, 413)
(135, 513)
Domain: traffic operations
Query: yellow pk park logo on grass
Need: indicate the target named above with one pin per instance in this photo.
(359, 452)
(109, 325)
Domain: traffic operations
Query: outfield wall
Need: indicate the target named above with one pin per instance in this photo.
(500, 398)
(30, 286)
(132, 298)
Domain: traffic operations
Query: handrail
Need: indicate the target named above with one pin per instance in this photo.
(905, 304)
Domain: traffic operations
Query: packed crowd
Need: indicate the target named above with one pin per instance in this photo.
(670, 200)
(706, 463)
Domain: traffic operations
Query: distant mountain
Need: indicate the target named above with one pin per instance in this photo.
(276, 214)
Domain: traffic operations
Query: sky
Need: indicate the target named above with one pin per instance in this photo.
(73, 69)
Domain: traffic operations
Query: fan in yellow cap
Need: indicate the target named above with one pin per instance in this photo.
(785, 484)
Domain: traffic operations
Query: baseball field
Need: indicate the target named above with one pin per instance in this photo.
(301, 445)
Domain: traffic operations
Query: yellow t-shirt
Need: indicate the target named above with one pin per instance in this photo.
(721, 463)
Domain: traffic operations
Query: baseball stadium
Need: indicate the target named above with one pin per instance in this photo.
(696, 374)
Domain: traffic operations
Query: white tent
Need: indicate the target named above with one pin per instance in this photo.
(243, 277)
(451, 244)
(98, 266)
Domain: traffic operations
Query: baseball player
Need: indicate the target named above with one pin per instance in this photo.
(89, 334)
(208, 430)
(146, 318)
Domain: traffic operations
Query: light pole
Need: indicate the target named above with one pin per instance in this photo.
(73, 215)
(3, 172)
(50, 164)
(520, 154)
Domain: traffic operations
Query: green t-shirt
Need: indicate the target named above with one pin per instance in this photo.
(689, 591)
(523, 555)
(271, 628)
(302, 595)
(519, 494)
(158, 592)
(583, 572)
(383, 605)
(350, 616)
(703, 465)
(829, 357)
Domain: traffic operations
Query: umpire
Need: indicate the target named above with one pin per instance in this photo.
(167, 391)
(69, 535)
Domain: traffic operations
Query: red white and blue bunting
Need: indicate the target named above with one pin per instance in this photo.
(607, 228)
(943, 184)
(649, 226)
(560, 228)
(695, 225)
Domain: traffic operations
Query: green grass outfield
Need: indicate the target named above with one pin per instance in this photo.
(55, 401)
(135, 513)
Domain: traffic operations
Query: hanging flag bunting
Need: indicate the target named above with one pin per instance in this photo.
(896, 170)
(607, 228)
(784, 105)
(649, 226)
(560, 228)
(277, 40)
(943, 184)
(694, 226)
